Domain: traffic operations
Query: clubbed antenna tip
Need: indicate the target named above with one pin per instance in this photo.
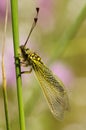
(33, 25)
(37, 9)
(35, 20)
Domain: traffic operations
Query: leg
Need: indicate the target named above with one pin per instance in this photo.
(27, 72)
(21, 63)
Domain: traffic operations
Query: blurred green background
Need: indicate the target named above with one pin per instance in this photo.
(62, 46)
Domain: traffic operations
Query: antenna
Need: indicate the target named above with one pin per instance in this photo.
(33, 26)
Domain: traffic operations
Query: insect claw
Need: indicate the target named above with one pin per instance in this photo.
(18, 75)
(17, 65)
(16, 58)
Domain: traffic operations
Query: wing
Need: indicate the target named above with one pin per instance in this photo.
(53, 90)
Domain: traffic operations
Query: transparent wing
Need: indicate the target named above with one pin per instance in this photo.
(53, 90)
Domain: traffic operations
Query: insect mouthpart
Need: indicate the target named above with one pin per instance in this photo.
(23, 54)
(23, 51)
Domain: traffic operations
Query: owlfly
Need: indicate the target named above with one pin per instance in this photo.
(53, 89)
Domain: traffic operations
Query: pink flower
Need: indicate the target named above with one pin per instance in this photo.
(9, 63)
(46, 17)
(3, 8)
(64, 72)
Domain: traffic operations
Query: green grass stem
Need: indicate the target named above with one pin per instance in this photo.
(68, 35)
(14, 13)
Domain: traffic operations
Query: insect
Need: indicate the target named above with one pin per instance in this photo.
(53, 89)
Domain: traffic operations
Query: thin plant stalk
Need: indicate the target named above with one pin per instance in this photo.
(64, 41)
(3, 72)
(14, 14)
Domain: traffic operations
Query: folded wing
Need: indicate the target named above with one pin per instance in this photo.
(53, 90)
